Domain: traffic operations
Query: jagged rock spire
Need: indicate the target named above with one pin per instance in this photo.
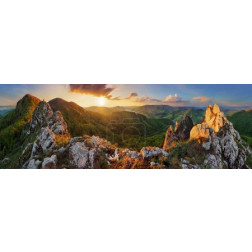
(181, 133)
(214, 121)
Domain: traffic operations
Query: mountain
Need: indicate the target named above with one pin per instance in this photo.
(43, 139)
(126, 128)
(12, 123)
(80, 121)
(159, 111)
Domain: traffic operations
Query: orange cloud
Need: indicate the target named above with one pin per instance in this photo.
(202, 99)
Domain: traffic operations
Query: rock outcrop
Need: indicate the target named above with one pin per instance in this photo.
(222, 142)
(214, 119)
(226, 148)
(181, 133)
(212, 144)
(47, 130)
(50, 146)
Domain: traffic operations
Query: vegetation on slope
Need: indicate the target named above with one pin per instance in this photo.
(127, 129)
(11, 124)
(242, 122)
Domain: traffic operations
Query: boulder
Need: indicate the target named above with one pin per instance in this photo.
(33, 164)
(50, 162)
(78, 155)
(149, 152)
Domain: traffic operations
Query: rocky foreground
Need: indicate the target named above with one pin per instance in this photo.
(214, 143)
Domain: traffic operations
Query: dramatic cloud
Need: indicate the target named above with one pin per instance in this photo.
(202, 99)
(92, 89)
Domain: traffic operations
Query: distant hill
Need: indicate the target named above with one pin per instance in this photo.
(156, 111)
(106, 110)
(5, 109)
(12, 123)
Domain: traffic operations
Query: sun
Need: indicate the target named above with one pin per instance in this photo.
(101, 101)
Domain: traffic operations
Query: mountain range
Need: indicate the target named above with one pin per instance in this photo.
(34, 124)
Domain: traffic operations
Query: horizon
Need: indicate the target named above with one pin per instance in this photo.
(129, 95)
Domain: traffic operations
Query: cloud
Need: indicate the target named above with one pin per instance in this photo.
(141, 99)
(173, 99)
(110, 97)
(95, 90)
(132, 95)
(92, 89)
(202, 99)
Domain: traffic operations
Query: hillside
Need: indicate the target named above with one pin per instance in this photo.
(127, 129)
(242, 121)
(156, 111)
(80, 121)
(12, 123)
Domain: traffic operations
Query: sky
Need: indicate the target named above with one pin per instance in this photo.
(110, 95)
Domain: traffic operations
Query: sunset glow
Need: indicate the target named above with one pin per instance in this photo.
(101, 101)
(109, 95)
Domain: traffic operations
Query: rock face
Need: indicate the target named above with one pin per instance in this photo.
(149, 152)
(50, 162)
(218, 136)
(214, 119)
(50, 146)
(227, 149)
(212, 144)
(47, 130)
(181, 133)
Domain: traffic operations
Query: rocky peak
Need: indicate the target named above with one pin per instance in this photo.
(181, 133)
(219, 138)
(214, 117)
(214, 121)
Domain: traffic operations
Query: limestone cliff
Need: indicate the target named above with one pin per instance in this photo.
(222, 142)
(214, 120)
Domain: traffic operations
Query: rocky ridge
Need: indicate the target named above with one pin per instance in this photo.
(214, 143)
(50, 146)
